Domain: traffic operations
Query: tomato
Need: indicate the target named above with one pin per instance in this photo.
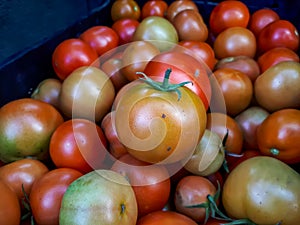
(87, 93)
(261, 18)
(47, 192)
(125, 9)
(212, 221)
(154, 8)
(221, 123)
(193, 190)
(176, 7)
(249, 120)
(125, 29)
(26, 126)
(99, 197)
(157, 124)
(200, 50)
(148, 182)
(278, 87)
(274, 56)
(10, 211)
(228, 14)
(264, 190)
(190, 26)
(48, 91)
(100, 38)
(245, 64)
(233, 161)
(23, 172)
(279, 33)
(278, 135)
(184, 68)
(236, 88)
(71, 54)
(235, 41)
(135, 58)
(79, 144)
(165, 218)
(158, 30)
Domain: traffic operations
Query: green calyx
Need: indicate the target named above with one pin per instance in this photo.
(165, 85)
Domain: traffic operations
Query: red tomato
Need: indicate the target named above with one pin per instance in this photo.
(274, 56)
(176, 7)
(228, 14)
(79, 144)
(72, 54)
(100, 38)
(278, 135)
(280, 33)
(165, 218)
(125, 28)
(261, 18)
(125, 9)
(154, 8)
(148, 182)
(47, 193)
(184, 68)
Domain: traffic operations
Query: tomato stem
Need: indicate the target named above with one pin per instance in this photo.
(165, 86)
(274, 151)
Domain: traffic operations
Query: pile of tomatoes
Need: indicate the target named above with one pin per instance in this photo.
(161, 117)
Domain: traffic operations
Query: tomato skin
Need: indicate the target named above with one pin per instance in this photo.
(125, 9)
(10, 211)
(79, 144)
(176, 7)
(280, 33)
(125, 28)
(71, 54)
(100, 38)
(228, 14)
(154, 8)
(25, 140)
(47, 193)
(165, 218)
(278, 135)
(148, 183)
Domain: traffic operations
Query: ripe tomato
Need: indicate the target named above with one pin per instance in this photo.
(47, 192)
(261, 18)
(184, 68)
(279, 33)
(148, 183)
(154, 8)
(201, 50)
(274, 56)
(221, 123)
(176, 7)
(235, 41)
(125, 9)
(10, 211)
(165, 218)
(159, 125)
(72, 54)
(100, 38)
(228, 14)
(26, 126)
(23, 172)
(79, 144)
(236, 88)
(193, 190)
(278, 135)
(125, 29)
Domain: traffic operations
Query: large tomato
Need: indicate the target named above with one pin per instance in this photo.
(47, 192)
(21, 174)
(71, 54)
(264, 190)
(79, 144)
(228, 14)
(279, 33)
(184, 68)
(278, 135)
(165, 218)
(157, 121)
(148, 182)
(26, 126)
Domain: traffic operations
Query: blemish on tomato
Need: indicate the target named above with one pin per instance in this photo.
(169, 149)
(163, 116)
